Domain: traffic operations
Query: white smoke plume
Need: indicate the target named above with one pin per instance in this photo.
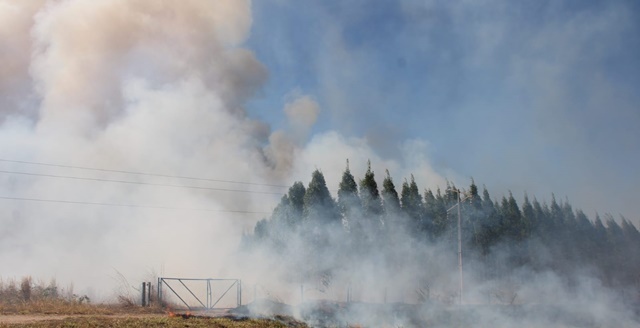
(302, 114)
(145, 86)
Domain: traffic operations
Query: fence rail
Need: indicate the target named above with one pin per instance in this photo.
(186, 294)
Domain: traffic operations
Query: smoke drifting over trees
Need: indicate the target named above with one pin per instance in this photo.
(407, 246)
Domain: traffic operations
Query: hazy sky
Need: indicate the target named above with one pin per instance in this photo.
(536, 96)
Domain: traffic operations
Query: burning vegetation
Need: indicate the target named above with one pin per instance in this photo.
(372, 246)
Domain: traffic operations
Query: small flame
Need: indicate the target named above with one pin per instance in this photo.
(185, 315)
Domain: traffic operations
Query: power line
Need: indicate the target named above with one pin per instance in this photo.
(126, 205)
(138, 183)
(141, 173)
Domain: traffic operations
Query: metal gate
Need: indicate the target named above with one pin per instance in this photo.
(190, 292)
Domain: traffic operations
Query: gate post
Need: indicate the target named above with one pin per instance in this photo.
(239, 291)
(160, 291)
(144, 294)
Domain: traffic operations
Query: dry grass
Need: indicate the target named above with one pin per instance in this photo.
(59, 313)
(52, 307)
(72, 308)
(29, 304)
(105, 321)
(28, 297)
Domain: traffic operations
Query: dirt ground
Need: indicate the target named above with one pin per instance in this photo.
(30, 318)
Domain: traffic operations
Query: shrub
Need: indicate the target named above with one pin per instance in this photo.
(25, 288)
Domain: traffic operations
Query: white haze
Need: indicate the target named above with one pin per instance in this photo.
(159, 87)
(154, 87)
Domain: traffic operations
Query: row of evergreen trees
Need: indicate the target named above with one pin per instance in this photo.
(501, 235)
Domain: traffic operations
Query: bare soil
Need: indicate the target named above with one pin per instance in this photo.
(13, 319)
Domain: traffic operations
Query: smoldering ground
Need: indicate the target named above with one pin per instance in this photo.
(386, 268)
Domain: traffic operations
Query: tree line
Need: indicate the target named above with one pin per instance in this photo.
(314, 231)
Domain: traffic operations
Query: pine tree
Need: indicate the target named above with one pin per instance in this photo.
(288, 213)
(261, 230)
(281, 224)
(370, 225)
(556, 214)
(519, 228)
(600, 256)
(371, 203)
(319, 207)
(348, 199)
(282, 214)
(630, 231)
(529, 219)
(435, 214)
(631, 246)
(472, 215)
(616, 257)
(296, 199)
(390, 195)
(411, 202)
(391, 204)
(601, 231)
(546, 226)
(568, 234)
(528, 215)
(489, 224)
(584, 241)
(568, 217)
(473, 196)
(451, 195)
(538, 218)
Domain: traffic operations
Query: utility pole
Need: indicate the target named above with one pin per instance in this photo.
(460, 247)
(461, 287)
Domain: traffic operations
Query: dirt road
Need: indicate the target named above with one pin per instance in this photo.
(30, 318)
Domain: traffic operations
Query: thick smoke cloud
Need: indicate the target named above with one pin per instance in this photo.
(302, 114)
(144, 86)
(15, 51)
(141, 86)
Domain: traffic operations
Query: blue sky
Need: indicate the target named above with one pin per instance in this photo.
(536, 96)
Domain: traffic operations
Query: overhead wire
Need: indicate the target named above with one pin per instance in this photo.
(127, 205)
(138, 182)
(134, 182)
(141, 173)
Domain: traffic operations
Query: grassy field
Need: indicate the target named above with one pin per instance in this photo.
(62, 307)
(154, 321)
(62, 313)
(29, 304)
